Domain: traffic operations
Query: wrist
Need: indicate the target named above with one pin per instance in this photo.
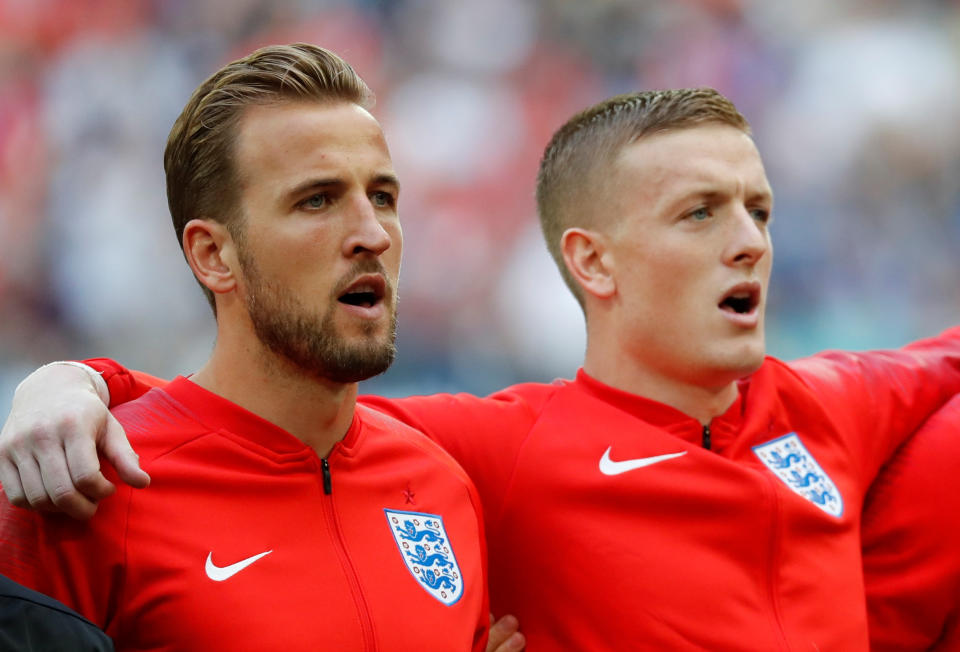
(96, 379)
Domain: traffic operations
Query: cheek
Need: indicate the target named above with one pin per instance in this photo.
(392, 227)
(674, 301)
(669, 276)
(393, 256)
(396, 239)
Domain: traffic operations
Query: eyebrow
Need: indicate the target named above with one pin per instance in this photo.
(387, 180)
(705, 194)
(384, 179)
(764, 196)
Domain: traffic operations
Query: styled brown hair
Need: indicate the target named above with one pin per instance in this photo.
(198, 161)
(577, 160)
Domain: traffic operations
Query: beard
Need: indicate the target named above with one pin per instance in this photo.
(310, 342)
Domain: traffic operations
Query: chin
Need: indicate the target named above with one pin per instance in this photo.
(751, 360)
(742, 362)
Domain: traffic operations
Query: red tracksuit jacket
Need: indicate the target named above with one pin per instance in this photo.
(246, 540)
(618, 523)
(911, 542)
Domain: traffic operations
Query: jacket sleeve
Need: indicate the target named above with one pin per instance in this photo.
(879, 398)
(484, 435)
(911, 535)
(124, 384)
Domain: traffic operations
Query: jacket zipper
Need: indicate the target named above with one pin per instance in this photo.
(359, 601)
(706, 436)
(327, 480)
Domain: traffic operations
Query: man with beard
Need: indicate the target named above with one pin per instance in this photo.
(683, 491)
(281, 515)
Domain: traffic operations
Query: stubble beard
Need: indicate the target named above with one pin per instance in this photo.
(312, 343)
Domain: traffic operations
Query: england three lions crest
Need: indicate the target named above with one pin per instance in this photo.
(790, 460)
(428, 553)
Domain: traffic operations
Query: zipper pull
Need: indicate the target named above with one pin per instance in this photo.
(706, 436)
(327, 481)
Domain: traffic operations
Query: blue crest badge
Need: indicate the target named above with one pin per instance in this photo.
(427, 552)
(790, 460)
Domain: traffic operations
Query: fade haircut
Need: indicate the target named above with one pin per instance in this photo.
(202, 179)
(578, 159)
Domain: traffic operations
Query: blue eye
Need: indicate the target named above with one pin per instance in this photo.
(700, 214)
(760, 215)
(315, 201)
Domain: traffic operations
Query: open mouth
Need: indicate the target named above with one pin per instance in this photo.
(741, 299)
(365, 292)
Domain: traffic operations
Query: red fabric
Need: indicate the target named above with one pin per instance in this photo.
(124, 385)
(911, 541)
(710, 550)
(230, 485)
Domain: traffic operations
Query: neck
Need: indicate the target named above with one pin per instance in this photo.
(316, 411)
(618, 370)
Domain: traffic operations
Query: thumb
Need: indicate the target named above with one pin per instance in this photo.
(116, 448)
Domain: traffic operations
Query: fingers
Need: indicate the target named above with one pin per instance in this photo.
(10, 479)
(116, 448)
(45, 479)
(48, 445)
(63, 493)
(22, 472)
(61, 458)
(79, 457)
(31, 483)
(505, 635)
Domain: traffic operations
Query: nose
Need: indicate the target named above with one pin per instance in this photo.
(749, 241)
(367, 232)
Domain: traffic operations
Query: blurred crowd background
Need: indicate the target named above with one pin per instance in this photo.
(855, 107)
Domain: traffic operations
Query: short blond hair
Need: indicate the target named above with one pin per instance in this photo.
(202, 179)
(578, 157)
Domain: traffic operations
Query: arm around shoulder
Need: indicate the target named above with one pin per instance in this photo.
(881, 397)
(484, 435)
(50, 441)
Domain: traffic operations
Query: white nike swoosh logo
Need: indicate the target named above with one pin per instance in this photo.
(218, 573)
(609, 467)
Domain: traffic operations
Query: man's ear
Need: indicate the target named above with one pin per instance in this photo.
(211, 254)
(589, 261)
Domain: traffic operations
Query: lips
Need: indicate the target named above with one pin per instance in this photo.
(366, 291)
(741, 300)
